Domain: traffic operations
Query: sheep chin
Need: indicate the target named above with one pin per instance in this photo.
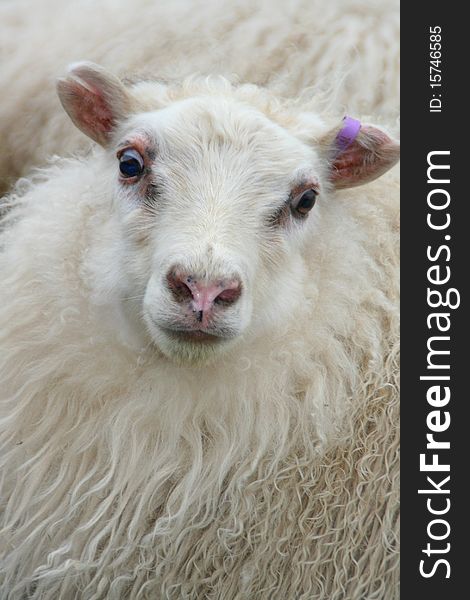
(191, 353)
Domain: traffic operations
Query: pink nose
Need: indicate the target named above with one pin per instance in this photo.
(202, 294)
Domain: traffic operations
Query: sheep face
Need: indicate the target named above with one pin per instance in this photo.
(215, 204)
(221, 208)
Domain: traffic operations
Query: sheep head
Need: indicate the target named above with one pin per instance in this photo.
(215, 203)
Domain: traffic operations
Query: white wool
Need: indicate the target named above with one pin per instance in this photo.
(348, 47)
(270, 472)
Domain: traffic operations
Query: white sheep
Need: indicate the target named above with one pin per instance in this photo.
(199, 352)
(289, 45)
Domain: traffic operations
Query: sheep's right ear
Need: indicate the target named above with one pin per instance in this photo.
(94, 99)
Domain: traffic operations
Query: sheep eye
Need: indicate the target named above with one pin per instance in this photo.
(304, 203)
(131, 164)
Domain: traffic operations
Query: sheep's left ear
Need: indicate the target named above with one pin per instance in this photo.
(358, 153)
(94, 99)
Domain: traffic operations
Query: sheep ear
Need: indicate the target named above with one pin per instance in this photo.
(94, 99)
(359, 153)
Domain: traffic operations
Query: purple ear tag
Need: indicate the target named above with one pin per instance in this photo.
(348, 133)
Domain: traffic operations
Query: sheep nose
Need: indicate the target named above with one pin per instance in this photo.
(203, 294)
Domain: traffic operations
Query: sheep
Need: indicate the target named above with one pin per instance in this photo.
(198, 341)
(288, 46)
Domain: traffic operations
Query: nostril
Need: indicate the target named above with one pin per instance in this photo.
(229, 295)
(180, 290)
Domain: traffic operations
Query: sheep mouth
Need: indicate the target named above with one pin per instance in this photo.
(194, 335)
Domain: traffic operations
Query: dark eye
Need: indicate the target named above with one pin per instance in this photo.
(131, 164)
(303, 203)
